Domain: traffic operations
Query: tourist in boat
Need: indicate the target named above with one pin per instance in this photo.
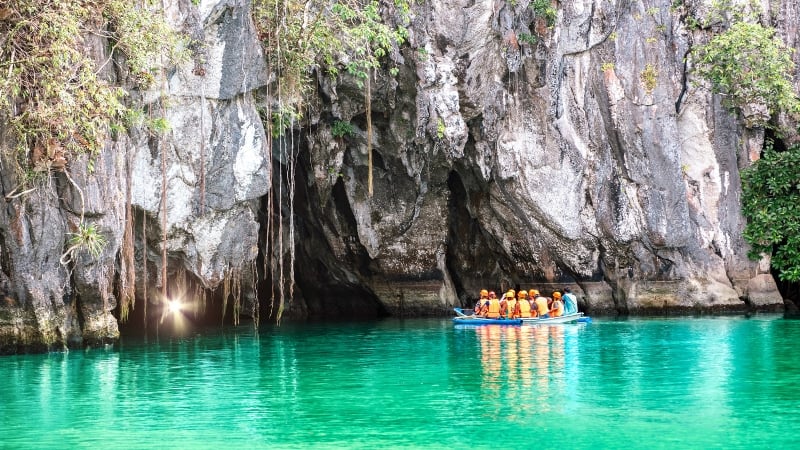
(504, 303)
(484, 296)
(523, 308)
(511, 304)
(491, 308)
(542, 308)
(570, 301)
(557, 307)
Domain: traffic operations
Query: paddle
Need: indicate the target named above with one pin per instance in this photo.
(460, 313)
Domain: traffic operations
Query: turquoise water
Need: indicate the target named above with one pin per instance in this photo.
(728, 382)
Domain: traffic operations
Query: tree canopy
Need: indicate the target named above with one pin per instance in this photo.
(771, 204)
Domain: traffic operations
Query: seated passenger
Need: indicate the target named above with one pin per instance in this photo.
(542, 309)
(491, 308)
(557, 308)
(511, 304)
(523, 309)
(479, 304)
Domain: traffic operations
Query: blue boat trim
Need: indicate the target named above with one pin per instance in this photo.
(485, 321)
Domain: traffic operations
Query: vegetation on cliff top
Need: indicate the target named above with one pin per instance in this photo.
(753, 70)
(52, 93)
(303, 37)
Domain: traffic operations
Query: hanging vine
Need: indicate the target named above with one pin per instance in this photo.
(301, 38)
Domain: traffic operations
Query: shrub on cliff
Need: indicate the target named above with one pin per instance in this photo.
(752, 68)
(771, 204)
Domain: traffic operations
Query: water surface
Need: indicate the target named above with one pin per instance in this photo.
(728, 382)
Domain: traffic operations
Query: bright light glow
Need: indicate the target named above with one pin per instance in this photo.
(174, 306)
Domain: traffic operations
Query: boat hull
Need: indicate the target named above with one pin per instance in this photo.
(471, 319)
(569, 318)
(485, 321)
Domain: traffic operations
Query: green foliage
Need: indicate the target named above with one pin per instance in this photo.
(50, 91)
(440, 128)
(545, 10)
(158, 125)
(88, 238)
(527, 38)
(142, 36)
(771, 204)
(302, 36)
(649, 78)
(282, 120)
(340, 129)
(748, 64)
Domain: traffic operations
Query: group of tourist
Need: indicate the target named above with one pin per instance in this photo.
(524, 304)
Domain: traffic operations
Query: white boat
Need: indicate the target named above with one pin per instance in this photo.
(567, 318)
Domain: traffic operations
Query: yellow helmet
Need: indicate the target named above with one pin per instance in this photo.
(533, 292)
(484, 293)
(522, 294)
(556, 295)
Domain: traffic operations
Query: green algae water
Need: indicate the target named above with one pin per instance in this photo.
(728, 382)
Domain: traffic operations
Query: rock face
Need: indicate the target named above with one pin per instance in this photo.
(506, 153)
(511, 154)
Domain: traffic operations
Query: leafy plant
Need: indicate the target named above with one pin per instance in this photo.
(302, 36)
(748, 64)
(440, 129)
(87, 238)
(546, 10)
(649, 78)
(158, 125)
(771, 204)
(283, 120)
(527, 38)
(50, 91)
(340, 129)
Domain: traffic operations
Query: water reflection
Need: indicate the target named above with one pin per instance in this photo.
(718, 383)
(530, 367)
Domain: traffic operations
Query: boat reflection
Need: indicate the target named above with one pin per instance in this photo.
(527, 366)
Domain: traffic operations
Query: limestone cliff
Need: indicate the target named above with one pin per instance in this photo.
(507, 152)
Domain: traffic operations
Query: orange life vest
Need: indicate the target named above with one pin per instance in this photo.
(558, 308)
(494, 309)
(541, 306)
(523, 308)
(510, 305)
